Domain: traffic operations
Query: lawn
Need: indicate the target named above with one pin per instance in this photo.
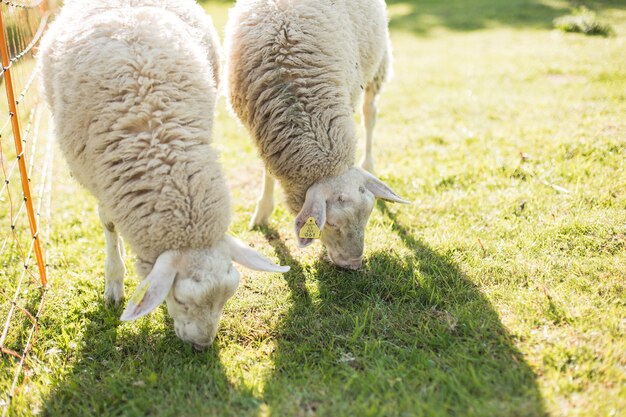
(499, 292)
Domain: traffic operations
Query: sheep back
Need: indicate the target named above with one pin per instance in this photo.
(296, 71)
(133, 96)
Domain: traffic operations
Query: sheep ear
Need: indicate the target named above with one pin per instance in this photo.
(154, 288)
(382, 190)
(312, 217)
(248, 257)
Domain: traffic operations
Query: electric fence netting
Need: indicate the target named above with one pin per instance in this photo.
(25, 182)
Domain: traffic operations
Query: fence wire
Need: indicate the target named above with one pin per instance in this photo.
(25, 180)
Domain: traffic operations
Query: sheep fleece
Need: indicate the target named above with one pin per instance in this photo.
(296, 71)
(133, 91)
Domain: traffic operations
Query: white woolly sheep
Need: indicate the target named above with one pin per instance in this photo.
(132, 88)
(296, 70)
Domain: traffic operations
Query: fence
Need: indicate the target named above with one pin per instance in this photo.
(25, 180)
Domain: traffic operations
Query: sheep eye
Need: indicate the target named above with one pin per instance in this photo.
(361, 189)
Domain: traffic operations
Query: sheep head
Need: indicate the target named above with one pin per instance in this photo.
(196, 283)
(340, 208)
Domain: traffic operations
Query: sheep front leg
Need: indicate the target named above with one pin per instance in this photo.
(369, 120)
(114, 268)
(265, 204)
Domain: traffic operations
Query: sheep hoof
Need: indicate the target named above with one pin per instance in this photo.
(257, 221)
(113, 299)
(114, 288)
(261, 214)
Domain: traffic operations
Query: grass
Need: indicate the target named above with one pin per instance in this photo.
(582, 20)
(499, 291)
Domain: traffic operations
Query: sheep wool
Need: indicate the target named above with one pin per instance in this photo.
(296, 71)
(132, 87)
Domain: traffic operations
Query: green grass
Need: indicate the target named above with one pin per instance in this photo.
(499, 292)
(582, 20)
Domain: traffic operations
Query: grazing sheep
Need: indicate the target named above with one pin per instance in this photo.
(132, 88)
(296, 70)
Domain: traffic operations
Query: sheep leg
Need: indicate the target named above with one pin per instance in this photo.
(369, 120)
(265, 204)
(114, 268)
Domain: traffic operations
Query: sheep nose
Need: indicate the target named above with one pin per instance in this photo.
(200, 347)
(353, 264)
(202, 344)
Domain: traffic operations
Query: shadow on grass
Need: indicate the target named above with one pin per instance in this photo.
(408, 335)
(421, 16)
(141, 373)
(296, 276)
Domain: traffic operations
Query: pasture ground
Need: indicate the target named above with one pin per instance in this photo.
(498, 292)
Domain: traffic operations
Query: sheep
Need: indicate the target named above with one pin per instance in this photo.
(132, 86)
(296, 70)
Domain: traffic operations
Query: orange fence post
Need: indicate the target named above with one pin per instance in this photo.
(15, 124)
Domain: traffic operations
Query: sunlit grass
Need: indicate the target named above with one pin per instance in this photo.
(498, 292)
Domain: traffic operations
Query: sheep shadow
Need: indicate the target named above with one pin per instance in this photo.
(408, 335)
(147, 371)
(295, 277)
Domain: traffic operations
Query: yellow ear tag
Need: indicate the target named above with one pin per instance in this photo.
(310, 230)
(137, 297)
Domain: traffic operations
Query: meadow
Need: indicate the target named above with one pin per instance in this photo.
(500, 291)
